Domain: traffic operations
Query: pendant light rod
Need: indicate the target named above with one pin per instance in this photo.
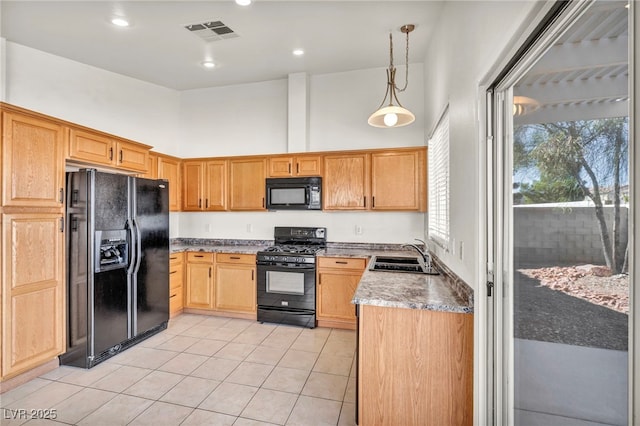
(394, 115)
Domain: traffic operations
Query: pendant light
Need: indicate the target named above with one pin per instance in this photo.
(394, 115)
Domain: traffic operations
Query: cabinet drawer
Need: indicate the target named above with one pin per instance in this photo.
(176, 259)
(175, 300)
(176, 274)
(199, 257)
(245, 259)
(342, 262)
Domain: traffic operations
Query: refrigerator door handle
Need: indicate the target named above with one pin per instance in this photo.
(138, 247)
(133, 254)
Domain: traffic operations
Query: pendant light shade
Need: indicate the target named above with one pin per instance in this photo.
(393, 114)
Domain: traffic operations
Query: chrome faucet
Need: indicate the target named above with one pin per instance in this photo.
(425, 255)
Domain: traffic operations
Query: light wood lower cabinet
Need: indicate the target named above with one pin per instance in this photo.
(415, 367)
(235, 283)
(176, 280)
(33, 314)
(221, 284)
(199, 280)
(337, 282)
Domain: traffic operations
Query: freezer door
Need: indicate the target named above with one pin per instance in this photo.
(151, 271)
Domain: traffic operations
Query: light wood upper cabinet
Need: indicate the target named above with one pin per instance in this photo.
(337, 281)
(300, 165)
(132, 156)
(346, 181)
(216, 185)
(199, 280)
(235, 283)
(247, 183)
(169, 169)
(152, 167)
(192, 185)
(32, 161)
(32, 297)
(398, 180)
(91, 147)
(102, 149)
(204, 185)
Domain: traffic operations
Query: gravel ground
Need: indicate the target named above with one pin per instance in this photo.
(549, 315)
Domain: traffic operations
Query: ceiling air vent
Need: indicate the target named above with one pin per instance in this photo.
(211, 30)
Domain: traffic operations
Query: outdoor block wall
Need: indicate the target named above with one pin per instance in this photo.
(546, 236)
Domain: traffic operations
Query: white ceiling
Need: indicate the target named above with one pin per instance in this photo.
(336, 36)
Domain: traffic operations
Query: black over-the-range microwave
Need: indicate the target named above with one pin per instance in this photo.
(296, 193)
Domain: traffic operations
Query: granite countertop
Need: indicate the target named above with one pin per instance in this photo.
(404, 290)
(444, 292)
(223, 248)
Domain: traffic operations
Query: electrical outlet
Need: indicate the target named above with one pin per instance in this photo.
(249, 228)
(461, 251)
(453, 246)
(207, 227)
(358, 230)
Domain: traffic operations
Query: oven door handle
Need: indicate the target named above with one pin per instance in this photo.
(272, 267)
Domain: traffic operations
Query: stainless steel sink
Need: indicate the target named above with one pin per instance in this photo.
(410, 265)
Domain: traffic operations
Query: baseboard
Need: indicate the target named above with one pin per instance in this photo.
(20, 379)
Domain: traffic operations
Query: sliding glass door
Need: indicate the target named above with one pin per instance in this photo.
(562, 194)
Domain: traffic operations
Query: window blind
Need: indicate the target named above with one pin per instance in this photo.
(439, 182)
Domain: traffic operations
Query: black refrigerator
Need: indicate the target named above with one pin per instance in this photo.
(117, 263)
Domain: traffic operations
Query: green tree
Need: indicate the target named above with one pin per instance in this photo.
(574, 159)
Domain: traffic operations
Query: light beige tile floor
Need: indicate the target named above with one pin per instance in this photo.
(203, 371)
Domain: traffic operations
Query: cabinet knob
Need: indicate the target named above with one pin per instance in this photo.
(121, 156)
(110, 154)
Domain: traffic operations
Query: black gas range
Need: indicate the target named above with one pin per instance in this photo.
(286, 285)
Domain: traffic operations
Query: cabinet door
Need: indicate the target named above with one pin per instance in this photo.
(152, 167)
(398, 181)
(280, 166)
(346, 182)
(169, 169)
(335, 291)
(91, 147)
(216, 185)
(192, 178)
(132, 156)
(235, 288)
(247, 183)
(308, 165)
(32, 291)
(32, 161)
(199, 286)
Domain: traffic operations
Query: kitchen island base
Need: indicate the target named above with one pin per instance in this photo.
(415, 367)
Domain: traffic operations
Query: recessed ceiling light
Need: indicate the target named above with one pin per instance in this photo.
(208, 64)
(243, 2)
(298, 52)
(120, 22)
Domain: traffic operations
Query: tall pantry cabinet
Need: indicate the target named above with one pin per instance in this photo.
(32, 246)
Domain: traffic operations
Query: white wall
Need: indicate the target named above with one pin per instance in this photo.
(340, 104)
(92, 97)
(242, 119)
(341, 226)
(461, 59)
(3, 72)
